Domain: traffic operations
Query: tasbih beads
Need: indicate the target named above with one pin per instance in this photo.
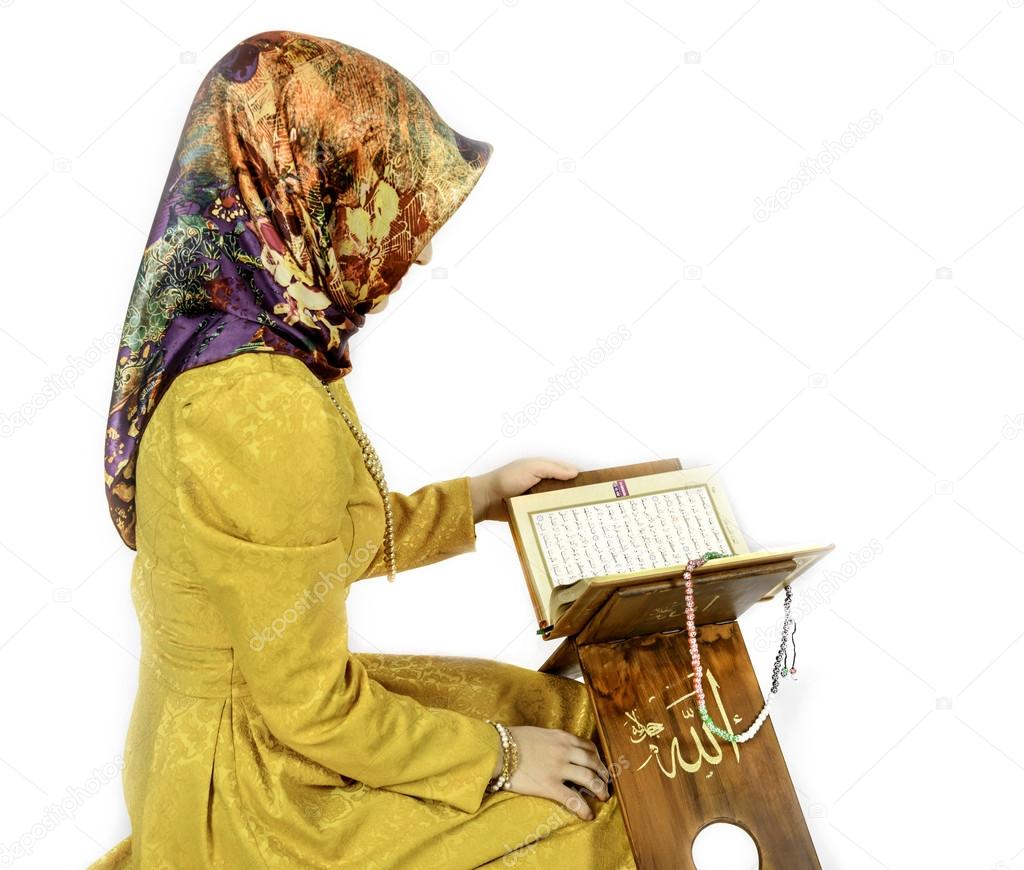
(509, 759)
(778, 672)
(372, 463)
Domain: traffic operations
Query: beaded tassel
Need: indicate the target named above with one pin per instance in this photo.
(779, 671)
(372, 463)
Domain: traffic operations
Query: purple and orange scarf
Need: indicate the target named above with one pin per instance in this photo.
(308, 177)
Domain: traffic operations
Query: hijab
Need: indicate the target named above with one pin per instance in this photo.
(308, 178)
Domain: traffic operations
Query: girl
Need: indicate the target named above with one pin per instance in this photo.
(308, 178)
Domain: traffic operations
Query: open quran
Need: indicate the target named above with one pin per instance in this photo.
(582, 540)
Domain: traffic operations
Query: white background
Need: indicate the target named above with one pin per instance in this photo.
(851, 365)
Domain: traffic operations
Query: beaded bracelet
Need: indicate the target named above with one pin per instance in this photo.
(509, 758)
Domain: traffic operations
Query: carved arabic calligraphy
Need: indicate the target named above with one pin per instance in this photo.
(705, 746)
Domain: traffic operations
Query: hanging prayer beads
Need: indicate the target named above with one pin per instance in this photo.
(779, 671)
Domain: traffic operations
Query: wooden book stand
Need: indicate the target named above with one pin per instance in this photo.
(673, 777)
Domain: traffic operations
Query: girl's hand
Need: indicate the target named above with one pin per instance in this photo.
(548, 757)
(489, 490)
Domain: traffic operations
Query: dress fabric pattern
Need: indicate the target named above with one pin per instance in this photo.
(257, 738)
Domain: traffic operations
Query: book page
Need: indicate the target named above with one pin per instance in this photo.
(537, 570)
(627, 534)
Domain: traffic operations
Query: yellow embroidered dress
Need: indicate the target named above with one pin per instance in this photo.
(257, 738)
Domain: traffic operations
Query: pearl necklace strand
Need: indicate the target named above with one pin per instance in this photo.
(372, 462)
(778, 672)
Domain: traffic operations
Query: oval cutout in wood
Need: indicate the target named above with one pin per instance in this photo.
(724, 846)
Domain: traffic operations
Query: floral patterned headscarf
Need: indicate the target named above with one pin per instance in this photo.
(308, 178)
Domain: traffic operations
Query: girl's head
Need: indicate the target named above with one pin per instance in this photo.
(309, 176)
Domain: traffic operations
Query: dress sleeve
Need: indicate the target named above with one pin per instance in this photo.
(262, 477)
(433, 523)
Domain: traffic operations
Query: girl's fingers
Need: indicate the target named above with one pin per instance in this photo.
(581, 742)
(589, 747)
(554, 468)
(573, 802)
(586, 778)
(589, 758)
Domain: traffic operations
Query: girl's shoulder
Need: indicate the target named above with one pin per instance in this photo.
(264, 371)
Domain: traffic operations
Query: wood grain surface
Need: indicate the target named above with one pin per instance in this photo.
(673, 776)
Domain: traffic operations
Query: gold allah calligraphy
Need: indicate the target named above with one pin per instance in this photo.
(705, 744)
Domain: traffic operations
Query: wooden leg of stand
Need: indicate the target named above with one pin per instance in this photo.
(563, 661)
(674, 777)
